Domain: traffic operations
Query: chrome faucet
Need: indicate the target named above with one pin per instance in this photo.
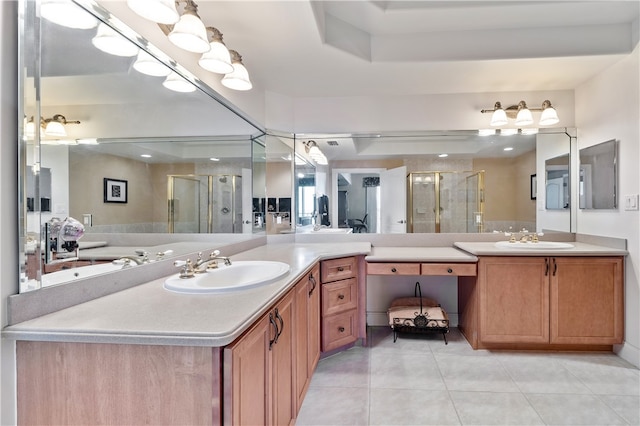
(523, 236)
(202, 264)
(143, 257)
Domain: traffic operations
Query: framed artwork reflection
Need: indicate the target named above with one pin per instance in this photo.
(534, 187)
(115, 190)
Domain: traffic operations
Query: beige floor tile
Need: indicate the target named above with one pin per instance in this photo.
(405, 371)
(411, 407)
(479, 373)
(573, 410)
(494, 408)
(335, 406)
(346, 369)
(628, 407)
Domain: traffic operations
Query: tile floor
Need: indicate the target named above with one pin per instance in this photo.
(421, 381)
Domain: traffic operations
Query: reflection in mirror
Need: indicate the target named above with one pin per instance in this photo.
(599, 176)
(557, 183)
(279, 200)
(123, 153)
(498, 167)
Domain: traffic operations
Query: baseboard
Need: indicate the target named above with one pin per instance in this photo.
(629, 353)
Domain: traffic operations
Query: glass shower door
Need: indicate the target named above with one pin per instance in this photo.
(188, 204)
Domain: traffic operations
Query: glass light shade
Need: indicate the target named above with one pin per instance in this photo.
(109, 41)
(147, 64)
(549, 116)
(238, 79)
(524, 117)
(217, 59)
(67, 14)
(30, 130)
(178, 84)
(160, 11)
(317, 155)
(190, 34)
(55, 129)
(499, 117)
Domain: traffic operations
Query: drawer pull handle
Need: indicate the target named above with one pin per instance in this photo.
(340, 269)
(449, 270)
(341, 329)
(341, 296)
(394, 270)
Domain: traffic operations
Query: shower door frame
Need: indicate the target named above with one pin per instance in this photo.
(436, 175)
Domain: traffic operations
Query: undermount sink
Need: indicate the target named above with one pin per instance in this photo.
(540, 245)
(332, 231)
(239, 275)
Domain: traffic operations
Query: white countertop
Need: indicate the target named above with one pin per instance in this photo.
(149, 314)
(579, 249)
(419, 254)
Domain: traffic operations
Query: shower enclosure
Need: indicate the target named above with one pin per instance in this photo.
(440, 202)
(205, 204)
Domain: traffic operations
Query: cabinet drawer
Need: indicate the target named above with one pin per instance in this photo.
(338, 269)
(393, 268)
(339, 296)
(339, 330)
(457, 269)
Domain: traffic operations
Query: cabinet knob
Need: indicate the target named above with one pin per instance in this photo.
(341, 329)
(340, 268)
(394, 270)
(341, 296)
(449, 270)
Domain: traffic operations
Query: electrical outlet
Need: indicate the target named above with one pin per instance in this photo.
(87, 219)
(631, 202)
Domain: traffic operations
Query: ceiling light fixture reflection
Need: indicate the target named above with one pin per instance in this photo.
(160, 11)
(218, 58)
(109, 41)
(508, 132)
(67, 14)
(486, 132)
(189, 33)
(147, 64)
(522, 114)
(311, 147)
(176, 83)
(443, 155)
(214, 159)
(238, 79)
(145, 155)
(51, 127)
(529, 131)
(87, 141)
(508, 148)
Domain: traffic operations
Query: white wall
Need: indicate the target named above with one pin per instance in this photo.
(607, 107)
(8, 199)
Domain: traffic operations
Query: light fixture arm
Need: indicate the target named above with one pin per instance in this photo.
(216, 35)
(60, 119)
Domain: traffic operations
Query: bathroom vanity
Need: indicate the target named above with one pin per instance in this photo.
(147, 355)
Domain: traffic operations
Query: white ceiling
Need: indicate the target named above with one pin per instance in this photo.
(349, 48)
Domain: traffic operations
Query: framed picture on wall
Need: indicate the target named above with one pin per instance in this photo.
(115, 190)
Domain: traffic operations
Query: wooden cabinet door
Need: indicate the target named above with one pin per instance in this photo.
(247, 373)
(587, 305)
(283, 354)
(514, 299)
(307, 327)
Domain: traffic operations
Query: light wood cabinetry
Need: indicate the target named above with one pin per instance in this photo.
(443, 269)
(91, 383)
(339, 302)
(550, 300)
(307, 338)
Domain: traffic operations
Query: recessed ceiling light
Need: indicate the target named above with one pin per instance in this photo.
(145, 156)
(509, 148)
(214, 159)
(443, 155)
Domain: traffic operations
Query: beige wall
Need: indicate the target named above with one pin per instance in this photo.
(507, 192)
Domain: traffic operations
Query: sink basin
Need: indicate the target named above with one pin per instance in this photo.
(540, 245)
(239, 275)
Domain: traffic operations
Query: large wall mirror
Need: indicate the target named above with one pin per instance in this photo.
(598, 186)
(435, 181)
(108, 143)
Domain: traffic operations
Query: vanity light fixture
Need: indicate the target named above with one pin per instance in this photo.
(189, 33)
(311, 147)
(238, 79)
(443, 155)
(176, 83)
(218, 58)
(67, 14)
(109, 41)
(508, 148)
(214, 159)
(147, 64)
(522, 114)
(52, 127)
(160, 11)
